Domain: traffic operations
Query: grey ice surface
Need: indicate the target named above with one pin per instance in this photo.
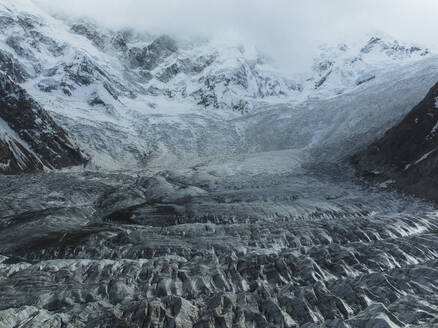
(217, 245)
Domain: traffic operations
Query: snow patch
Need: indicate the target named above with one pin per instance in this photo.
(422, 158)
(12, 139)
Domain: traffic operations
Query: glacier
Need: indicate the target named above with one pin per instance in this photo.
(217, 190)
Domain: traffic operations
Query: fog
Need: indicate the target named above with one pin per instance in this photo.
(287, 30)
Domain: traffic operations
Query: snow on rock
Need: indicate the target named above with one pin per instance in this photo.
(30, 139)
(339, 69)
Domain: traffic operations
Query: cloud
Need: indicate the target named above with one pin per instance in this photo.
(288, 30)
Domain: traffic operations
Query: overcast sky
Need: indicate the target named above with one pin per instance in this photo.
(281, 28)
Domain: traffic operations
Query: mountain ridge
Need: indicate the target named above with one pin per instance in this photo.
(407, 155)
(133, 98)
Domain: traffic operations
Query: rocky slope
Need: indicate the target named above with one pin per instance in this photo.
(408, 153)
(29, 138)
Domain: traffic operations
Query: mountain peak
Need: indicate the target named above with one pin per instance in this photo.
(393, 48)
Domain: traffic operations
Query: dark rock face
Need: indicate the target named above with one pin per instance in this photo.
(49, 144)
(150, 56)
(82, 71)
(324, 68)
(118, 41)
(17, 43)
(11, 164)
(102, 40)
(28, 40)
(12, 67)
(392, 48)
(408, 153)
(364, 79)
(88, 31)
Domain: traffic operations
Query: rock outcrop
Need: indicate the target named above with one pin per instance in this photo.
(29, 138)
(408, 153)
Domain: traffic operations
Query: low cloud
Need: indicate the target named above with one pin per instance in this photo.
(287, 30)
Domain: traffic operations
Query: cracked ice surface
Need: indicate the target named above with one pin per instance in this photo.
(260, 240)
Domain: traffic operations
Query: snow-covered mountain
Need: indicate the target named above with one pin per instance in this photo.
(338, 69)
(129, 98)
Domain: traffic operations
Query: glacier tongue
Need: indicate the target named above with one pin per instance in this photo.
(240, 241)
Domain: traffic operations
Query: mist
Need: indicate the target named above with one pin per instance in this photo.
(286, 30)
